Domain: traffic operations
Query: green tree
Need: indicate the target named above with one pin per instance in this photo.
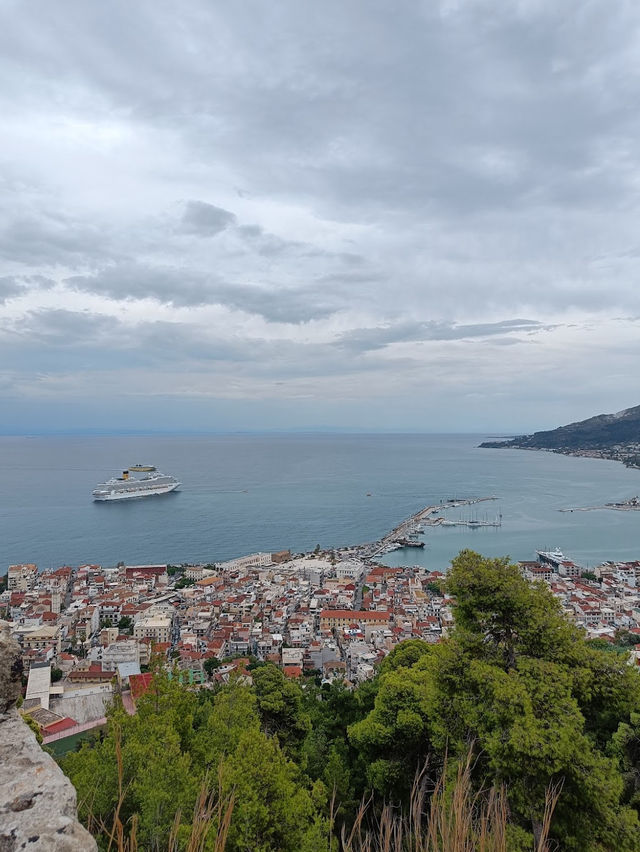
(518, 681)
(211, 664)
(326, 754)
(274, 811)
(625, 747)
(404, 655)
(626, 639)
(394, 738)
(501, 615)
(233, 712)
(280, 706)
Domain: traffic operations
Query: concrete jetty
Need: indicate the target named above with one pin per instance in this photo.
(424, 517)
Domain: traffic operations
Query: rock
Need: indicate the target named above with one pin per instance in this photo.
(10, 670)
(37, 801)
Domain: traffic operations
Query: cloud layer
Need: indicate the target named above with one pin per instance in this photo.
(418, 217)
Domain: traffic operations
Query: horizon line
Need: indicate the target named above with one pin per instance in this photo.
(310, 430)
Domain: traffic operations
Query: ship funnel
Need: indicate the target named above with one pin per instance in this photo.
(125, 474)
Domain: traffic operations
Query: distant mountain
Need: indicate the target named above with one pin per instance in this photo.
(611, 434)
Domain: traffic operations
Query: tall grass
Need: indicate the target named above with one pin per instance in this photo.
(211, 811)
(453, 818)
(449, 818)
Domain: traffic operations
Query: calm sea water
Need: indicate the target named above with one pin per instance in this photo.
(243, 493)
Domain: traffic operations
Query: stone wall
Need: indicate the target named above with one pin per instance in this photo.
(37, 801)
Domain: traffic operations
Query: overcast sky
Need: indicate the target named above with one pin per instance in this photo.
(353, 213)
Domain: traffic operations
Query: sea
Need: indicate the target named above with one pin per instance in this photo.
(246, 493)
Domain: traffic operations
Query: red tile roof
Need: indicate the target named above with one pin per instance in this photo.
(292, 671)
(140, 683)
(60, 725)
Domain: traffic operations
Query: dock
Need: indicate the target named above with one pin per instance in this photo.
(404, 534)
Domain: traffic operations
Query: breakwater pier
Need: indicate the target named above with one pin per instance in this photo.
(404, 534)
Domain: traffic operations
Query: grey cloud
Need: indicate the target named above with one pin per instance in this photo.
(369, 339)
(347, 278)
(266, 244)
(64, 328)
(451, 163)
(54, 341)
(284, 304)
(189, 288)
(10, 287)
(63, 340)
(271, 245)
(169, 285)
(40, 281)
(52, 239)
(251, 231)
(286, 95)
(205, 220)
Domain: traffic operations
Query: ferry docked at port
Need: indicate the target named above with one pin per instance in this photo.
(127, 487)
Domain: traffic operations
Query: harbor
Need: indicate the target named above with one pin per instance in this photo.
(406, 533)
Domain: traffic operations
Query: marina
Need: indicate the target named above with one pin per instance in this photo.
(405, 533)
(472, 523)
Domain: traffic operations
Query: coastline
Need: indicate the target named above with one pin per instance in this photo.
(606, 454)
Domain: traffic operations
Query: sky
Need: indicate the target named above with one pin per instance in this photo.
(352, 214)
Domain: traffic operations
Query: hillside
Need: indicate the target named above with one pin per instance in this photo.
(606, 435)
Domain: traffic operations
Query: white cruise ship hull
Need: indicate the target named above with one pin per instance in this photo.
(134, 493)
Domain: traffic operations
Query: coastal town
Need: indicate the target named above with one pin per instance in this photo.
(90, 632)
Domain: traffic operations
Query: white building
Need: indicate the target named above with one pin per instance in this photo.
(352, 568)
(22, 578)
(155, 624)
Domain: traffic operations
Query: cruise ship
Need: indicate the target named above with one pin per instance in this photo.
(126, 487)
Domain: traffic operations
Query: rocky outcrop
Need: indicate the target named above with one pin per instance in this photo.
(37, 802)
(10, 669)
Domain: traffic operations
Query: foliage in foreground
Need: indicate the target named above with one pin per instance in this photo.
(514, 699)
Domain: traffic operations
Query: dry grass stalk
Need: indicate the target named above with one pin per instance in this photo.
(211, 809)
(117, 833)
(118, 840)
(552, 794)
(456, 820)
